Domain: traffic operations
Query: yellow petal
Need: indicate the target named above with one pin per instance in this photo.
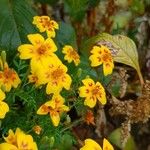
(95, 50)
(52, 88)
(88, 82)
(67, 82)
(108, 68)
(91, 102)
(43, 110)
(50, 45)
(36, 39)
(95, 60)
(51, 33)
(2, 95)
(26, 51)
(16, 82)
(66, 49)
(102, 98)
(6, 146)
(91, 145)
(4, 108)
(55, 118)
(83, 91)
(107, 145)
(65, 108)
(11, 138)
(54, 24)
(7, 86)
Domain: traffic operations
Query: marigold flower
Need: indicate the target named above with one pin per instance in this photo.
(89, 118)
(102, 55)
(9, 78)
(92, 145)
(40, 51)
(57, 78)
(4, 108)
(71, 54)
(18, 141)
(44, 23)
(54, 107)
(92, 92)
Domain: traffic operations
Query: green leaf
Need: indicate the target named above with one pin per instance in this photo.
(115, 138)
(123, 49)
(16, 22)
(76, 8)
(66, 35)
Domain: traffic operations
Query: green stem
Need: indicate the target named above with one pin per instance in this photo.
(76, 122)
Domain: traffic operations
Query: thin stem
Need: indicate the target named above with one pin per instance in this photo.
(76, 122)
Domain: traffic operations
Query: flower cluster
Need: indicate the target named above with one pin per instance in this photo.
(48, 71)
(18, 141)
(46, 68)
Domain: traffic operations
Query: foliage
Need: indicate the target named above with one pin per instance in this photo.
(59, 76)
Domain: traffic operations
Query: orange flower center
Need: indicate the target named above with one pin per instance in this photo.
(106, 57)
(46, 108)
(73, 54)
(41, 50)
(95, 91)
(57, 73)
(9, 74)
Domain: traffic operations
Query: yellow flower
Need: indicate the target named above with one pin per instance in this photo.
(40, 51)
(54, 107)
(9, 78)
(102, 55)
(4, 108)
(92, 92)
(92, 145)
(57, 78)
(71, 54)
(18, 141)
(44, 23)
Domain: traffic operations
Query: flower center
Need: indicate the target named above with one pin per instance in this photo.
(95, 91)
(41, 50)
(46, 108)
(106, 57)
(57, 73)
(73, 54)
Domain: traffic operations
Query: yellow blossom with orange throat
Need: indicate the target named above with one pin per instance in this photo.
(57, 78)
(102, 55)
(92, 145)
(45, 24)
(4, 108)
(71, 54)
(9, 78)
(54, 108)
(18, 141)
(92, 91)
(40, 51)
